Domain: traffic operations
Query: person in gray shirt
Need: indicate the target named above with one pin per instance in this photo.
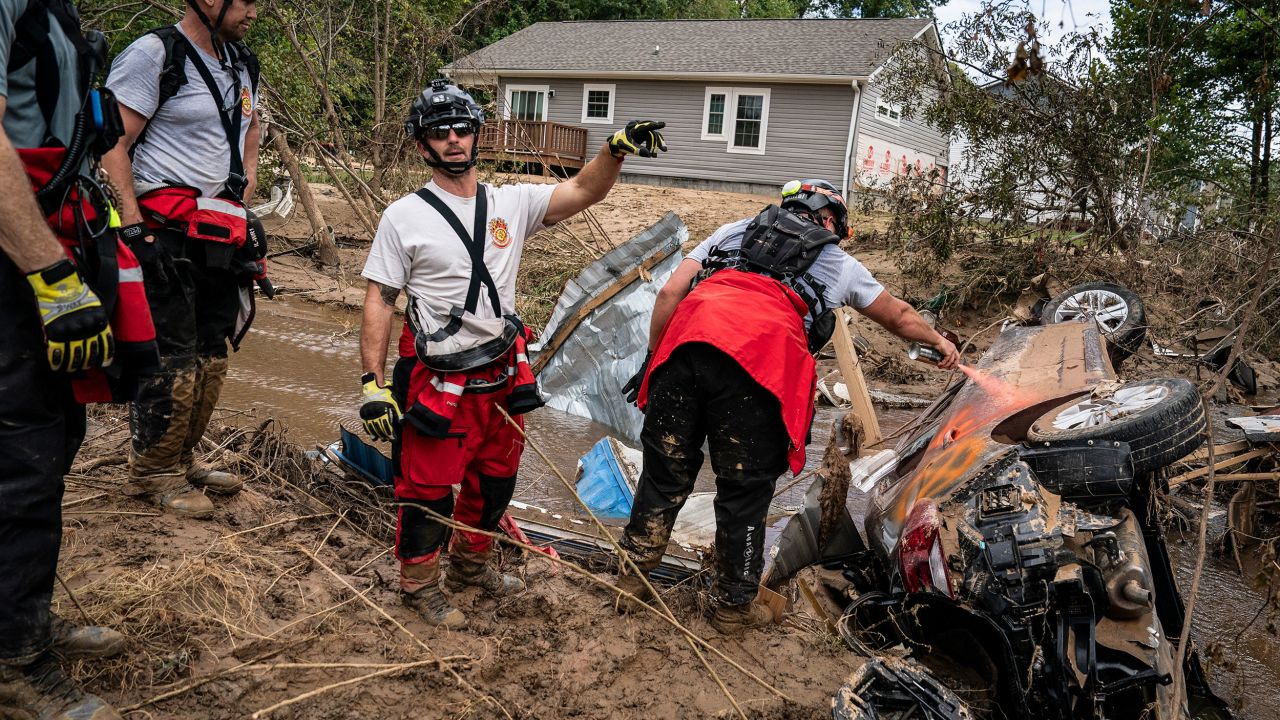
(730, 364)
(49, 321)
(183, 169)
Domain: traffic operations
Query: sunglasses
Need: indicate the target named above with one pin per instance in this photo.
(441, 132)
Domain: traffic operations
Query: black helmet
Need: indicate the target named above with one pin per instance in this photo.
(810, 196)
(441, 103)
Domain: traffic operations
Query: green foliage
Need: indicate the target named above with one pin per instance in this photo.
(867, 8)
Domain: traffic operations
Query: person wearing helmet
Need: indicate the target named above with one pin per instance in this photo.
(730, 364)
(454, 248)
(184, 169)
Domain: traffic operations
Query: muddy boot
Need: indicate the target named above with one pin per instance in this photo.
(468, 572)
(420, 590)
(629, 581)
(42, 691)
(217, 482)
(84, 641)
(736, 619)
(173, 493)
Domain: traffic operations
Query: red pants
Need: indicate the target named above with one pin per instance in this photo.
(482, 454)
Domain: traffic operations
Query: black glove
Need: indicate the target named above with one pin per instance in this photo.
(140, 240)
(639, 137)
(631, 390)
(75, 324)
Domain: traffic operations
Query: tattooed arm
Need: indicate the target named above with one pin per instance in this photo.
(375, 328)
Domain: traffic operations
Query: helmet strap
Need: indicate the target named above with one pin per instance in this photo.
(453, 168)
(213, 27)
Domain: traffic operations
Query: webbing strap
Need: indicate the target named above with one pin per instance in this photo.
(474, 243)
(230, 117)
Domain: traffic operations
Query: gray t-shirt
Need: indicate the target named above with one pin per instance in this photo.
(23, 122)
(847, 282)
(185, 142)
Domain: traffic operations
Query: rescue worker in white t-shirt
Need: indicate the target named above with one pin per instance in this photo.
(462, 350)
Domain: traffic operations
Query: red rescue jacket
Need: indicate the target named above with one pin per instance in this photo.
(759, 322)
(117, 282)
(433, 396)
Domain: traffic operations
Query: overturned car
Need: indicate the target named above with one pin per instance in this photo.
(1013, 567)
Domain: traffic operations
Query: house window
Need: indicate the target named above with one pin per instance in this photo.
(526, 102)
(713, 112)
(597, 103)
(889, 112)
(750, 121)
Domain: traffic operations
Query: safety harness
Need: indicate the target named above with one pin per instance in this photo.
(464, 341)
(173, 75)
(781, 245)
(76, 206)
(463, 353)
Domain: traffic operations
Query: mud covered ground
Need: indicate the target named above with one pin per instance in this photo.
(284, 592)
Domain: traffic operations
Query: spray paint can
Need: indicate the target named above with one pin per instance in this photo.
(924, 354)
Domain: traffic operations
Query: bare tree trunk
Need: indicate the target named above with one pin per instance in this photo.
(330, 113)
(327, 250)
(381, 69)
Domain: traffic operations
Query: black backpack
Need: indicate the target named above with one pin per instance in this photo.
(780, 244)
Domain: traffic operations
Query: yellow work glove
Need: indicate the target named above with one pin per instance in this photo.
(639, 137)
(378, 410)
(75, 323)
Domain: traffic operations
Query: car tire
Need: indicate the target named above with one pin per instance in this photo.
(1162, 420)
(1117, 309)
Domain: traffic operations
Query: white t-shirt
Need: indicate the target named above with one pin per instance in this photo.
(417, 250)
(847, 282)
(185, 143)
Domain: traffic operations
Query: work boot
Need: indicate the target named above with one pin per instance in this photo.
(44, 692)
(430, 602)
(420, 590)
(632, 583)
(464, 572)
(736, 619)
(173, 493)
(218, 482)
(84, 641)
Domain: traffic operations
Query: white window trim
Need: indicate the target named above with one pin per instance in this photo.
(732, 117)
(889, 107)
(546, 99)
(723, 135)
(586, 90)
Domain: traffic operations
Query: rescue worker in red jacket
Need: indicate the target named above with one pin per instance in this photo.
(454, 247)
(184, 168)
(56, 334)
(730, 363)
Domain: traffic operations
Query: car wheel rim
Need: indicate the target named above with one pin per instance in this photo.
(1094, 412)
(1107, 308)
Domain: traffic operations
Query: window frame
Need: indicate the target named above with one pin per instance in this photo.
(546, 99)
(723, 135)
(731, 128)
(890, 110)
(612, 89)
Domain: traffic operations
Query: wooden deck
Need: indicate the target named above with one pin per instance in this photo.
(548, 143)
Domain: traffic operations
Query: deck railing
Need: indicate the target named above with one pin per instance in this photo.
(548, 143)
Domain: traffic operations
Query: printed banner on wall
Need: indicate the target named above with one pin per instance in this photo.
(880, 161)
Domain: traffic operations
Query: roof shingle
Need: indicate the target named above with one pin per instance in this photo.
(767, 47)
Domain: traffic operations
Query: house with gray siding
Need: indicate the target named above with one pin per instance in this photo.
(749, 104)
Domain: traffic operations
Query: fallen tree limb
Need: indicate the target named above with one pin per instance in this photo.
(1216, 465)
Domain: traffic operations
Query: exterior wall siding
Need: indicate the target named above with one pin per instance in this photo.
(912, 131)
(805, 134)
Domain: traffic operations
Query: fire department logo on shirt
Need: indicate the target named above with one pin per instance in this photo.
(246, 102)
(498, 231)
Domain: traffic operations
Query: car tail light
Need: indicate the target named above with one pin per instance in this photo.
(924, 569)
